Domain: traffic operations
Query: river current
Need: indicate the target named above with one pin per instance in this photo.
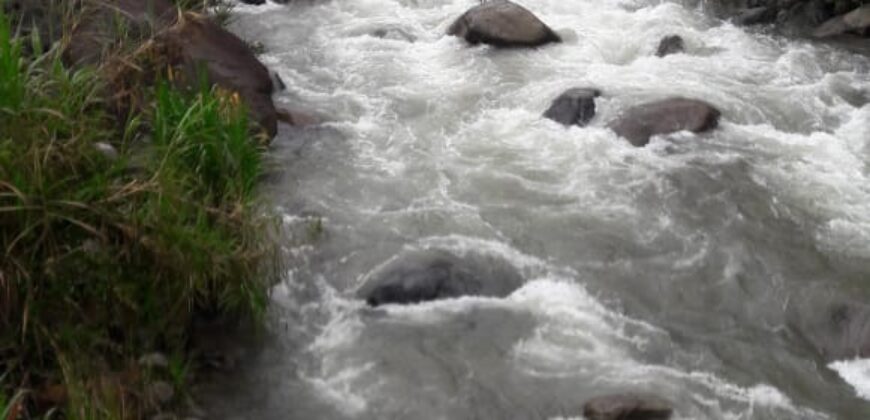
(713, 270)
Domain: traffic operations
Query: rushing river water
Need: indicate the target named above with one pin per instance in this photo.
(712, 270)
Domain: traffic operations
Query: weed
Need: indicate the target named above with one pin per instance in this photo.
(104, 259)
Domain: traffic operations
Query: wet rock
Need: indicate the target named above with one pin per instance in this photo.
(200, 44)
(502, 24)
(254, 2)
(798, 18)
(573, 107)
(192, 43)
(419, 276)
(755, 16)
(278, 84)
(640, 123)
(627, 407)
(854, 21)
(671, 44)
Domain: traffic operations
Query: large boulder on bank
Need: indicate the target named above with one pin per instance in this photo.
(198, 44)
(98, 31)
(627, 407)
(191, 43)
(502, 24)
(855, 21)
(573, 107)
(419, 276)
(640, 123)
(42, 18)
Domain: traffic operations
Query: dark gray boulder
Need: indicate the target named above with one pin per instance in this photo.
(502, 24)
(857, 20)
(755, 16)
(640, 123)
(671, 44)
(573, 107)
(627, 407)
(419, 276)
(200, 44)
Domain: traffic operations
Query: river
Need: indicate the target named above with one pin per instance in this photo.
(726, 272)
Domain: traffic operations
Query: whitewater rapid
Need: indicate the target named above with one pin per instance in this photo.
(696, 268)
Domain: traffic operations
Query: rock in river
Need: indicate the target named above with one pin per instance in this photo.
(425, 275)
(573, 107)
(640, 123)
(502, 24)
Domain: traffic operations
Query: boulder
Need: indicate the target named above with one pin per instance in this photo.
(755, 16)
(573, 107)
(640, 123)
(43, 18)
(627, 407)
(98, 31)
(856, 20)
(419, 276)
(502, 24)
(191, 43)
(200, 45)
(671, 44)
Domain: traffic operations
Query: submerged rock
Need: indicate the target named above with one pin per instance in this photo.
(394, 33)
(627, 407)
(640, 123)
(502, 24)
(573, 107)
(419, 276)
(839, 331)
(671, 44)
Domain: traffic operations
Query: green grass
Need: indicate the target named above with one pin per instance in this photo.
(105, 259)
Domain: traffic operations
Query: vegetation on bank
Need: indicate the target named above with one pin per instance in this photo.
(118, 230)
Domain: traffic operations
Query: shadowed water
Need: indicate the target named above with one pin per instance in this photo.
(711, 270)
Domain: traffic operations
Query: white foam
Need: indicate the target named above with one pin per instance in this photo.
(857, 373)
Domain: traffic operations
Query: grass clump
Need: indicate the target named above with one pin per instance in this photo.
(115, 237)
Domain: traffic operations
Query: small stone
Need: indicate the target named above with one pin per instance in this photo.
(107, 150)
(154, 360)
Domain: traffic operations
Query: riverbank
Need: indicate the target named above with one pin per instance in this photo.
(721, 271)
(131, 141)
